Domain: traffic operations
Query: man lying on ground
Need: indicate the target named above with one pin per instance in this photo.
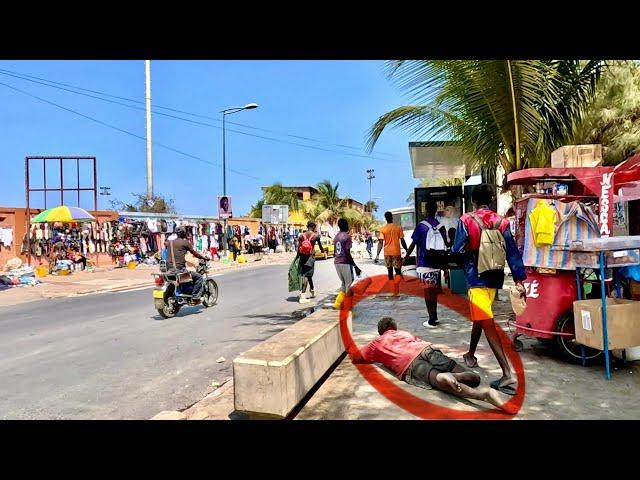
(416, 362)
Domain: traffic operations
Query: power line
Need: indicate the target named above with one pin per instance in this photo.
(167, 147)
(29, 77)
(208, 124)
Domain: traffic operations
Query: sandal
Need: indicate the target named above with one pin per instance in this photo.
(470, 363)
(509, 389)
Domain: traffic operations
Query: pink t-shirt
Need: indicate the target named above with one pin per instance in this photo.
(395, 349)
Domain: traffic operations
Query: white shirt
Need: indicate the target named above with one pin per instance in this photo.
(152, 225)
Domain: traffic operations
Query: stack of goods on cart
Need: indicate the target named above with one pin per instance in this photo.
(16, 274)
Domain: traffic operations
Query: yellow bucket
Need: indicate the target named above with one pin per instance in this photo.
(41, 271)
(131, 265)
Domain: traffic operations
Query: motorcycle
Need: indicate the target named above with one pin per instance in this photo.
(171, 293)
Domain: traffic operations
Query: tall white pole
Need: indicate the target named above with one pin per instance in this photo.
(147, 68)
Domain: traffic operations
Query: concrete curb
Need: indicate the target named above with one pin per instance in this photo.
(198, 410)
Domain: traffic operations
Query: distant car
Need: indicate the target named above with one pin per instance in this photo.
(327, 245)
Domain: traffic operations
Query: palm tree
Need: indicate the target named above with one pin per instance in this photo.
(329, 203)
(371, 206)
(613, 118)
(256, 209)
(312, 209)
(354, 217)
(276, 194)
(511, 112)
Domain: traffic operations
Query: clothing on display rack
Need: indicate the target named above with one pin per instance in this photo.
(543, 220)
(575, 221)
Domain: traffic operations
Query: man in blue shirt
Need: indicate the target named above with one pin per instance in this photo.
(428, 272)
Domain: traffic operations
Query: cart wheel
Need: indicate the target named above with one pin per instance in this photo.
(567, 347)
(518, 346)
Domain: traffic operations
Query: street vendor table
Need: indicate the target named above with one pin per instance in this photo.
(602, 254)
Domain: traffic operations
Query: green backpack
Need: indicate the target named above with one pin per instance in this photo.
(493, 253)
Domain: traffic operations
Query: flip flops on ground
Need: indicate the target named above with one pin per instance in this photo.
(508, 388)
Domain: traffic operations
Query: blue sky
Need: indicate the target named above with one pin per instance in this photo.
(332, 101)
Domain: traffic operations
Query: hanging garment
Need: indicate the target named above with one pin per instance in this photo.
(572, 226)
(543, 220)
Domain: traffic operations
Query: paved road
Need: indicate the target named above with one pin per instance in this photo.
(111, 356)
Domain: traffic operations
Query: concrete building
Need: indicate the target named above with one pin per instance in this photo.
(356, 205)
(303, 193)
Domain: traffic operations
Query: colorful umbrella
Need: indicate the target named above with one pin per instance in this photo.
(63, 214)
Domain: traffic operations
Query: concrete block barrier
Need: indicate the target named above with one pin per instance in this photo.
(273, 377)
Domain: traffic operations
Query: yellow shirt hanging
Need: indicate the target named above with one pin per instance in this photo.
(543, 224)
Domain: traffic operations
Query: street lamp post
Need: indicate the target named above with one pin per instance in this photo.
(225, 112)
(370, 177)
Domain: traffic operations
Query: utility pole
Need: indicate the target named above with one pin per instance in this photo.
(370, 176)
(147, 69)
(225, 112)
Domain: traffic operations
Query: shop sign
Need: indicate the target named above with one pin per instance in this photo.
(605, 204)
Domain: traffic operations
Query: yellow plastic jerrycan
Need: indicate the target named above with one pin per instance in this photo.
(339, 299)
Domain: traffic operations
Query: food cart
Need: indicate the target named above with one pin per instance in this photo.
(583, 198)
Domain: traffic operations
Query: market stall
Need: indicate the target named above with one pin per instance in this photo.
(581, 204)
(64, 250)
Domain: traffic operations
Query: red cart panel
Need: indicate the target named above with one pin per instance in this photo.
(548, 297)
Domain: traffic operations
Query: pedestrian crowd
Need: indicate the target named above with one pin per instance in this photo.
(481, 243)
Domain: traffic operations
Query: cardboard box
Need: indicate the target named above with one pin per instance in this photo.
(623, 323)
(634, 289)
(571, 156)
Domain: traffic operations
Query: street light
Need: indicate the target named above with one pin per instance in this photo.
(225, 112)
(370, 176)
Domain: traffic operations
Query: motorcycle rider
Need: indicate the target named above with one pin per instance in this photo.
(180, 248)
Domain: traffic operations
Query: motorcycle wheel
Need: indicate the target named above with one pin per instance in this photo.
(168, 311)
(210, 297)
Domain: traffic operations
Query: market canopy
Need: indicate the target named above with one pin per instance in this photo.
(63, 214)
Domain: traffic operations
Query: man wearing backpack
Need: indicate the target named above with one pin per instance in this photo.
(307, 259)
(485, 239)
(431, 239)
